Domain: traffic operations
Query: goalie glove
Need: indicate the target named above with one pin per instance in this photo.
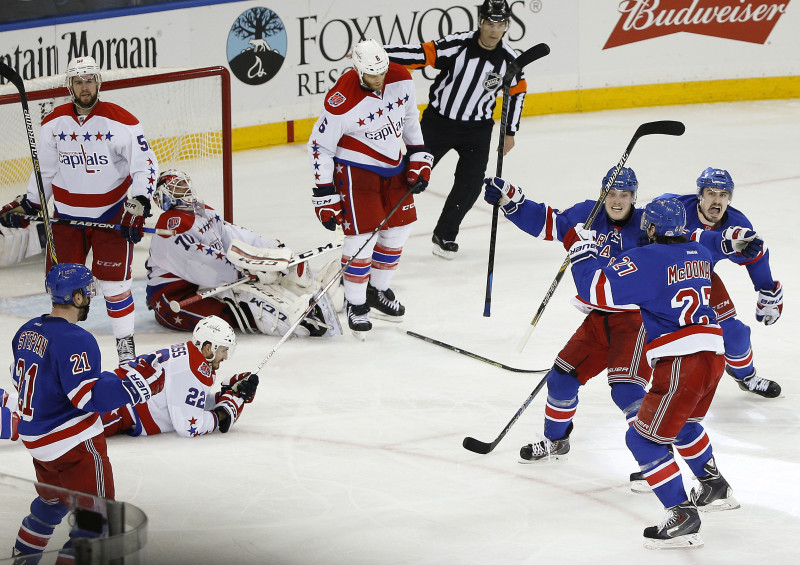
(503, 193)
(580, 243)
(142, 380)
(328, 206)
(770, 305)
(132, 221)
(742, 241)
(227, 410)
(418, 173)
(10, 213)
(242, 385)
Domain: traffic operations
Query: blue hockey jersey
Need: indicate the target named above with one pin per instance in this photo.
(56, 371)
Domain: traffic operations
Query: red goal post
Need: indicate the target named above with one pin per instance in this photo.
(185, 114)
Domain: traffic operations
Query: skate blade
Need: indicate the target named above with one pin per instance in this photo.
(564, 457)
(376, 314)
(360, 336)
(729, 503)
(640, 487)
(439, 252)
(689, 541)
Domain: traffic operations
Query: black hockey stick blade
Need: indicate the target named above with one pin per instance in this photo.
(472, 444)
(662, 127)
(12, 76)
(536, 52)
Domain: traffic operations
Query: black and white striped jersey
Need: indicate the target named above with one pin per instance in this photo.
(470, 77)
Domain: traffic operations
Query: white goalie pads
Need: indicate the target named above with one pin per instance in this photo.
(258, 259)
(16, 244)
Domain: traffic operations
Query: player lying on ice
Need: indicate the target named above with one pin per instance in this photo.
(206, 252)
(187, 406)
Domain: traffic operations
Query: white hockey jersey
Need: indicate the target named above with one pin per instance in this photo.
(366, 129)
(88, 168)
(197, 252)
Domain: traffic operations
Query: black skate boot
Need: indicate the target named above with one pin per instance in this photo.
(680, 528)
(759, 386)
(315, 324)
(639, 484)
(546, 449)
(715, 493)
(358, 317)
(126, 350)
(443, 248)
(386, 306)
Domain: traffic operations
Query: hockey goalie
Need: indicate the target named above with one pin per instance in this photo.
(262, 292)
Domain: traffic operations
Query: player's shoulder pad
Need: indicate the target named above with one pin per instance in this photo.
(199, 365)
(736, 217)
(178, 220)
(59, 111)
(115, 112)
(345, 94)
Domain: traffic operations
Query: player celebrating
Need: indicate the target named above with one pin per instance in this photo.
(97, 166)
(200, 254)
(710, 209)
(187, 405)
(361, 174)
(670, 281)
(611, 337)
(462, 98)
(62, 391)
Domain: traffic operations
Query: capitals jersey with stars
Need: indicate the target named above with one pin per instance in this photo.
(544, 222)
(184, 405)
(197, 251)
(88, 167)
(366, 129)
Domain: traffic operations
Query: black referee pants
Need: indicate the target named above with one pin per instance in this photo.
(471, 140)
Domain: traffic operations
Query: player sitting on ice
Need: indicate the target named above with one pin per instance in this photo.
(207, 252)
(186, 405)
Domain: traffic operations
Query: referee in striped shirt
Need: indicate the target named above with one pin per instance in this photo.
(460, 105)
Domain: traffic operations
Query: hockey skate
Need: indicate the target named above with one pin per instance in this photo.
(443, 248)
(759, 386)
(126, 350)
(385, 305)
(639, 484)
(358, 319)
(546, 449)
(680, 528)
(714, 493)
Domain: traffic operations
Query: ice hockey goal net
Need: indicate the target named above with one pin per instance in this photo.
(185, 113)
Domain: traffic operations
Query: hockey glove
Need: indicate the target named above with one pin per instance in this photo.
(132, 221)
(770, 305)
(242, 385)
(503, 193)
(227, 410)
(144, 380)
(419, 171)
(10, 213)
(328, 205)
(580, 243)
(8, 424)
(743, 241)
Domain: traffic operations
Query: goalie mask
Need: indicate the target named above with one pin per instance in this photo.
(85, 68)
(217, 332)
(174, 190)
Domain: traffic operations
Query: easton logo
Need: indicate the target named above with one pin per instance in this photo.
(740, 20)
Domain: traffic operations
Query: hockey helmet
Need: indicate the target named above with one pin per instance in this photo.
(82, 67)
(65, 279)
(370, 58)
(217, 332)
(174, 190)
(718, 179)
(626, 180)
(668, 216)
(495, 11)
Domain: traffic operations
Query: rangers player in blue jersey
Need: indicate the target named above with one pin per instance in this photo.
(62, 391)
(710, 209)
(670, 281)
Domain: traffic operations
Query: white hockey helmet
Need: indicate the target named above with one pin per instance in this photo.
(217, 332)
(370, 58)
(174, 190)
(81, 67)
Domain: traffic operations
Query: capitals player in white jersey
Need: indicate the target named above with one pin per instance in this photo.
(670, 281)
(186, 405)
(206, 252)
(62, 391)
(96, 165)
(356, 150)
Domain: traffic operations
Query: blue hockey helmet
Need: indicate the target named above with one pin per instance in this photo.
(64, 279)
(668, 216)
(626, 180)
(718, 179)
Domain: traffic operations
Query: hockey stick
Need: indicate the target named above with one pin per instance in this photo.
(13, 76)
(476, 446)
(91, 224)
(176, 306)
(664, 127)
(321, 292)
(529, 56)
(473, 355)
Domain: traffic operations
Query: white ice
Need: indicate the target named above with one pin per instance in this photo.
(351, 452)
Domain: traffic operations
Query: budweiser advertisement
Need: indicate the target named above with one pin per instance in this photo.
(740, 20)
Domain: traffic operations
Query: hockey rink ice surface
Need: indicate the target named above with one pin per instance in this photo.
(351, 452)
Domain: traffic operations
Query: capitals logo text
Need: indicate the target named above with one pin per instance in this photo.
(390, 129)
